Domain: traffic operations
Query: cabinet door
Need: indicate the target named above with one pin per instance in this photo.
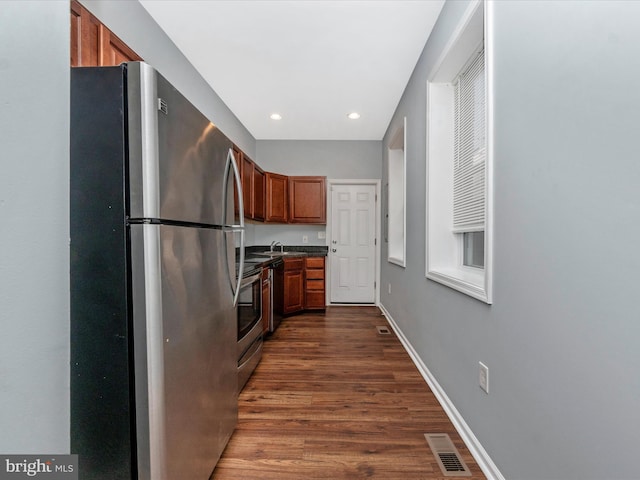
(258, 193)
(293, 291)
(93, 44)
(86, 31)
(76, 33)
(114, 51)
(276, 197)
(247, 186)
(307, 200)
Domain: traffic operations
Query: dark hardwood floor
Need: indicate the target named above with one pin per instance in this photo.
(333, 399)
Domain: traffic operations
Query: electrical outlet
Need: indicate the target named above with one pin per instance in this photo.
(305, 239)
(389, 289)
(322, 235)
(484, 377)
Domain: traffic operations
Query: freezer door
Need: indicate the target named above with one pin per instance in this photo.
(177, 157)
(184, 326)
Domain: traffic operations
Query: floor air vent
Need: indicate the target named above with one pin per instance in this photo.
(447, 455)
(383, 330)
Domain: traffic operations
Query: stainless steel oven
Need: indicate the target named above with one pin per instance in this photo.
(249, 326)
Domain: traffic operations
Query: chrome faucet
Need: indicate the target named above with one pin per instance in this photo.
(275, 244)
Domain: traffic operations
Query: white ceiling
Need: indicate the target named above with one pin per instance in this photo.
(311, 61)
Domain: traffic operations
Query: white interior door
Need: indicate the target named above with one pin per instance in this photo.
(352, 247)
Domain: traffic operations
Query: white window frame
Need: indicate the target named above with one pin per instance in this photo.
(444, 248)
(397, 197)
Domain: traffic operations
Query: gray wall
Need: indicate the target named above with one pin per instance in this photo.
(561, 339)
(332, 158)
(34, 239)
(264, 234)
(339, 159)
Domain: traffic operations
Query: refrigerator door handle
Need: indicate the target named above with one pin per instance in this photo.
(236, 293)
(233, 165)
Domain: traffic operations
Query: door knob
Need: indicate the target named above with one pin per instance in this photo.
(333, 250)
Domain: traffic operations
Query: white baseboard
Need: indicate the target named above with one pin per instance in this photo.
(479, 454)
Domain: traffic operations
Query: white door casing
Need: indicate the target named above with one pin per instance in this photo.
(352, 243)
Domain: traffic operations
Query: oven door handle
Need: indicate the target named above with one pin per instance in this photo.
(250, 280)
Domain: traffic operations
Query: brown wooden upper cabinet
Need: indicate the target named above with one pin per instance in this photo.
(253, 189)
(307, 200)
(259, 183)
(246, 173)
(276, 197)
(93, 44)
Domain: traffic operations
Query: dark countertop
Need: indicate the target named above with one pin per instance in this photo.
(254, 262)
(290, 250)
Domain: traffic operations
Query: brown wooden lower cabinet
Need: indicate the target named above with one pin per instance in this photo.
(293, 283)
(314, 291)
(303, 285)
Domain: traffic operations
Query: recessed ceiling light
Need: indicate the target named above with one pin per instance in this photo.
(276, 116)
(354, 115)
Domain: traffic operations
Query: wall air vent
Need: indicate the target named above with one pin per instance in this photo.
(162, 106)
(447, 456)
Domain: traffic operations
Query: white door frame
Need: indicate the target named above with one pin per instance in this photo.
(351, 181)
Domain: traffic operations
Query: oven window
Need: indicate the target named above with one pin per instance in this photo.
(249, 307)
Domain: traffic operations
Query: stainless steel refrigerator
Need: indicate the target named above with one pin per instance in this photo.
(153, 279)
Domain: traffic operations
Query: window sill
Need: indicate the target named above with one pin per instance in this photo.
(464, 280)
(397, 261)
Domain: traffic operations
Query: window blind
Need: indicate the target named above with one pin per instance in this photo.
(469, 148)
